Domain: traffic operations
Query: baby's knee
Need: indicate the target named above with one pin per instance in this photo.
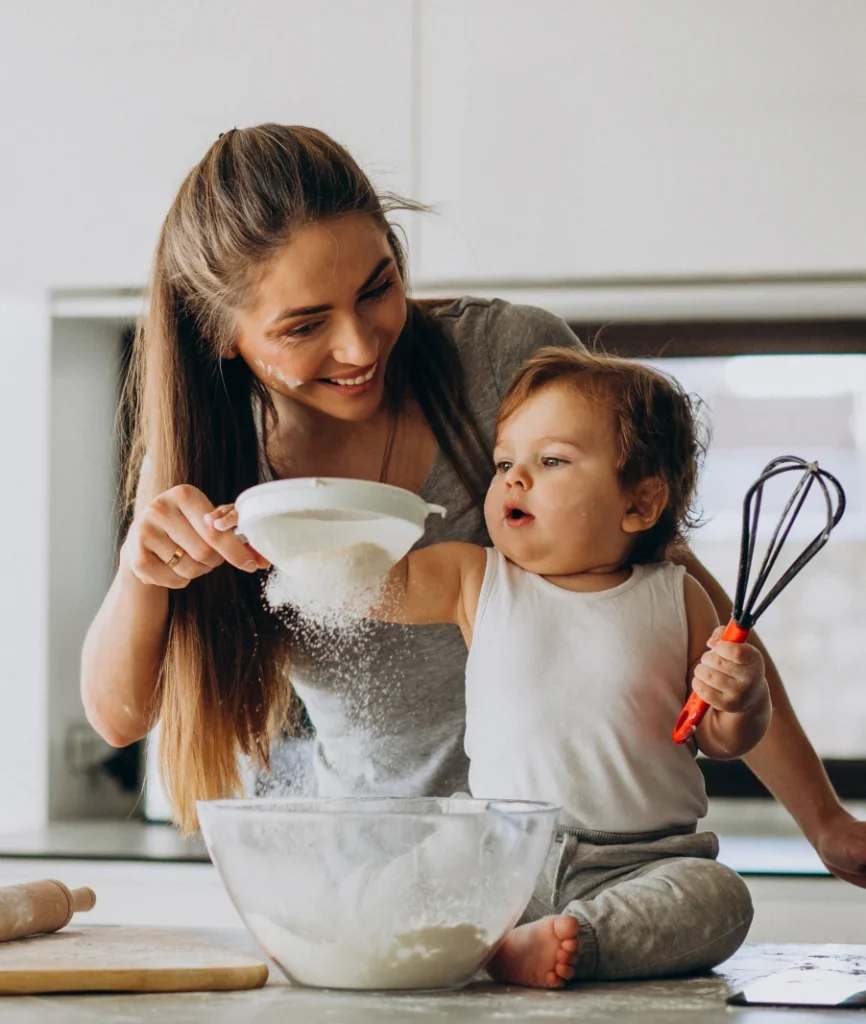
(724, 898)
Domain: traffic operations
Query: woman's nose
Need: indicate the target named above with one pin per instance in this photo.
(355, 344)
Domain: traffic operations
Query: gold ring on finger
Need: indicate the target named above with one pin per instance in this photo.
(175, 558)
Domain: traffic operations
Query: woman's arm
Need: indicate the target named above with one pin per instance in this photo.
(171, 542)
(789, 767)
(121, 659)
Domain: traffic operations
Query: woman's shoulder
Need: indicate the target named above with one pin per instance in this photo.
(501, 335)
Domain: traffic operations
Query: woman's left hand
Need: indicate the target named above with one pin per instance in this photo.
(841, 845)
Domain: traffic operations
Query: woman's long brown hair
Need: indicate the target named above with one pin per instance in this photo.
(223, 687)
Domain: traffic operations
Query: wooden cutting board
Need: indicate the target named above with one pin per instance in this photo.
(121, 959)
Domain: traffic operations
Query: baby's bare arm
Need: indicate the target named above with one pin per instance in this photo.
(440, 583)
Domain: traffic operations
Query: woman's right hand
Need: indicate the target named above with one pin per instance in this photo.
(180, 535)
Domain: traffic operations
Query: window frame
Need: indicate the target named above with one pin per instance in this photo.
(720, 338)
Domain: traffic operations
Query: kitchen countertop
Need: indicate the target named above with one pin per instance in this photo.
(700, 998)
(757, 837)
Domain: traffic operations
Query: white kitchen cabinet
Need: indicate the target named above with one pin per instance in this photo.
(622, 139)
(106, 106)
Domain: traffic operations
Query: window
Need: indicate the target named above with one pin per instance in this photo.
(813, 406)
(783, 388)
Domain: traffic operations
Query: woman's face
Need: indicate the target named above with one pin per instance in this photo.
(325, 317)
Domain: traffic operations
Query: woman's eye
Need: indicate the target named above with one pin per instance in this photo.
(304, 331)
(378, 292)
(551, 462)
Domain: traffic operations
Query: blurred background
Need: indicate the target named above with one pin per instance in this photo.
(683, 180)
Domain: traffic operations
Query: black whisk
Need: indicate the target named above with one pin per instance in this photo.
(747, 606)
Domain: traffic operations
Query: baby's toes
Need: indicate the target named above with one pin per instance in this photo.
(565, 971)
(565, 928)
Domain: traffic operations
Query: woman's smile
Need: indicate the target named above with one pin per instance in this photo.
(354, 383)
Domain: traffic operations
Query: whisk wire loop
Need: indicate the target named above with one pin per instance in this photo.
(747, 607)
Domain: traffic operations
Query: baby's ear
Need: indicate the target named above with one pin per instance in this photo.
(648, 500)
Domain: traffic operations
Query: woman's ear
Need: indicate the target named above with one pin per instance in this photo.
(648, 500)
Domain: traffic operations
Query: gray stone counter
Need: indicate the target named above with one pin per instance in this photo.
(700, 999)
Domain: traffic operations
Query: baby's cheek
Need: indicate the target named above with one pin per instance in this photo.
(490, 504)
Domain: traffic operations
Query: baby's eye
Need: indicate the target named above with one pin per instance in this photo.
(551, 461)
(503, 466)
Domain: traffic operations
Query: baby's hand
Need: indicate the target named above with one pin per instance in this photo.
(730, 677)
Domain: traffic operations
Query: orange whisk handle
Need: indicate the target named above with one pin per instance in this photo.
(695, 708)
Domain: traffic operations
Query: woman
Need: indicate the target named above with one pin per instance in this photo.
(279, 342)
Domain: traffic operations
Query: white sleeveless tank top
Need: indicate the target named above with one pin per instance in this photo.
(572, 697)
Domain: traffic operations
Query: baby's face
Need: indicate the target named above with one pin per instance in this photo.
(555, 506)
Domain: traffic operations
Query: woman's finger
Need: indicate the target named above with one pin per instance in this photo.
(226, 521)
(223, 517)
(166, 531)
(150, 569)
(195, 507)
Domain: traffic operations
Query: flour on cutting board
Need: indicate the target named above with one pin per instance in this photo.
(431, 956)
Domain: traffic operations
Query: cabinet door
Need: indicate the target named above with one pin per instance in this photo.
(626, 139)
(107, 105)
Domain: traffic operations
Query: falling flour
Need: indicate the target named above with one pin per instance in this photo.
(333, 588)
(431, 956)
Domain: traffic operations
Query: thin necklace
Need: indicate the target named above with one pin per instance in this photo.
(389, 446)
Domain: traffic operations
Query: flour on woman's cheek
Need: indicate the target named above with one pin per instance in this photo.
(274, 375)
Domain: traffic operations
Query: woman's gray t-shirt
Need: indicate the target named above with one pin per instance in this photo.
(387, 702)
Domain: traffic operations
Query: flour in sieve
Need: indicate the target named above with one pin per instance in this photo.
(331, 588)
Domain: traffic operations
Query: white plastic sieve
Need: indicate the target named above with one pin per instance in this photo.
(286, 518)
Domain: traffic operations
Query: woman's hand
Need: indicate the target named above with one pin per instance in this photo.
(179, 536)
(841, 845)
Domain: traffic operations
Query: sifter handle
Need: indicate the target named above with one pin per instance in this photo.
(695, 708)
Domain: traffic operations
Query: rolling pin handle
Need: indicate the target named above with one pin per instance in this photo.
(83, 899)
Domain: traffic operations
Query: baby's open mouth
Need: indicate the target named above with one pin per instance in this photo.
(515, 515)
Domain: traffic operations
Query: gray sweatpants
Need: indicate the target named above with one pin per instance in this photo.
(648, 905)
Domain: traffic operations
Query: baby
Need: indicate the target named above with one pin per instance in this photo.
(583, 645)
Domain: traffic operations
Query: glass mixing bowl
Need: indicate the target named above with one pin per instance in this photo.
(370, 893)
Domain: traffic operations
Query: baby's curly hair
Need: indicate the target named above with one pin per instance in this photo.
(660, 433)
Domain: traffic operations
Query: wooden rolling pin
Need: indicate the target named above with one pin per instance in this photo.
(39, 907)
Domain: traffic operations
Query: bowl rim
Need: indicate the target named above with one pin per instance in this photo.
(315, 809)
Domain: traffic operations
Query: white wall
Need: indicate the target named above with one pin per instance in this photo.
(106, 106)
(611, 139)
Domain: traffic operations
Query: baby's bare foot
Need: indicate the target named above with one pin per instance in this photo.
(539, 955)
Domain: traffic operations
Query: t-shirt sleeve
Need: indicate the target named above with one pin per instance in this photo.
(514, 333)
